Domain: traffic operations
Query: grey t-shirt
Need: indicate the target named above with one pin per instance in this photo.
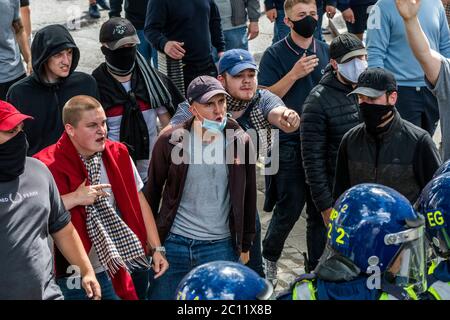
(30, 210)
(10, 60)
(442, 92)
(225, 14)
(204, 209)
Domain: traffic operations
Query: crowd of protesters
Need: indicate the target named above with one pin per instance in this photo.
(146, 169)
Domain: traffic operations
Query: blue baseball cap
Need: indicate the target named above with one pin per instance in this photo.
(235, 60)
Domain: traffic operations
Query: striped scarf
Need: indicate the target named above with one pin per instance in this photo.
(157, 91)
(117, 246)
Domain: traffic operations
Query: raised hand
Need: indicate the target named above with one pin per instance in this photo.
(408, 9)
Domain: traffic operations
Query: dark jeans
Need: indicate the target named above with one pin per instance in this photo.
(4, 87)
(141, 281)
(292, 192)
(280, 29)
(72, 290)
(418, 106)
(194, 70)
(234, 39)
(146, 49)
(255, 262)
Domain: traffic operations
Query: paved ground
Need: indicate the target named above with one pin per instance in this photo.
(85, 34)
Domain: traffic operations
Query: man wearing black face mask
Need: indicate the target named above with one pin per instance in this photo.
(385, 149)
(30, 211)
(290, 69)
(133, 93)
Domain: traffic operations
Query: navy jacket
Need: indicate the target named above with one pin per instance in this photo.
(194, 22)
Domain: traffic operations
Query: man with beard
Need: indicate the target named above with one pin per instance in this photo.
(53, 82)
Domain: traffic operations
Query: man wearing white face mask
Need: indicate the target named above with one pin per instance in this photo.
(328, 113)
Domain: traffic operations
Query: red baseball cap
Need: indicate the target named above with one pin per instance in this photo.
(10, 117)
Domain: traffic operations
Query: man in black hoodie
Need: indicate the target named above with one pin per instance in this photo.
(52, 83)
(328, 113)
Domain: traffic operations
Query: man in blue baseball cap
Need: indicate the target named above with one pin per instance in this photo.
(253, 108)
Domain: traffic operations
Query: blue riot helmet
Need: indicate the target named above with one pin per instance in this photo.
(434, 204)
(374, 226)
(223, 280)
(444, 168)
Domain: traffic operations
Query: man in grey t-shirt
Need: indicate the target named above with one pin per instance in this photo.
(233, 17)
(12, 37)
(31, 210)
(436, 67)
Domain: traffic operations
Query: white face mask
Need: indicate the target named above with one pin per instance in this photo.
(352, 69)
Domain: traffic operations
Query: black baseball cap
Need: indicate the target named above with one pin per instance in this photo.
(117, 32)
(375, 82)
(346, 46)
(203, 88)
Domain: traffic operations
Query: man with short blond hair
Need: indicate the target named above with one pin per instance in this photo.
(116, 227)
(290, 69)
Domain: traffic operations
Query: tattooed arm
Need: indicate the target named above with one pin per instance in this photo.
(22, 40)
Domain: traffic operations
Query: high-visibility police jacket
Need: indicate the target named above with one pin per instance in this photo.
(440, 290)
(306, 290)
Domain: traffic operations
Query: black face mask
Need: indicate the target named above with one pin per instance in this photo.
(305, 27)
(373, 114)
(12, 157)
(120, 61)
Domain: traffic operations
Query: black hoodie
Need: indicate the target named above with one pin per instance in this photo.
(44, 101)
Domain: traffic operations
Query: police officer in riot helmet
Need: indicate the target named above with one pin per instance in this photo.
(375, 250)
(434, 204)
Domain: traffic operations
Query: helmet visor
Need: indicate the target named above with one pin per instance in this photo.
(408, 267)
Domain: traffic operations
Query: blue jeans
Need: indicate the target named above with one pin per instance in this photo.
(234, 39)
(146, 49)
(183, 255)
(291, 192)
(418, 106)
(280, 29)
(103, 279)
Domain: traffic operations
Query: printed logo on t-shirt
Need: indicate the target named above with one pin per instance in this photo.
(17, 197)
